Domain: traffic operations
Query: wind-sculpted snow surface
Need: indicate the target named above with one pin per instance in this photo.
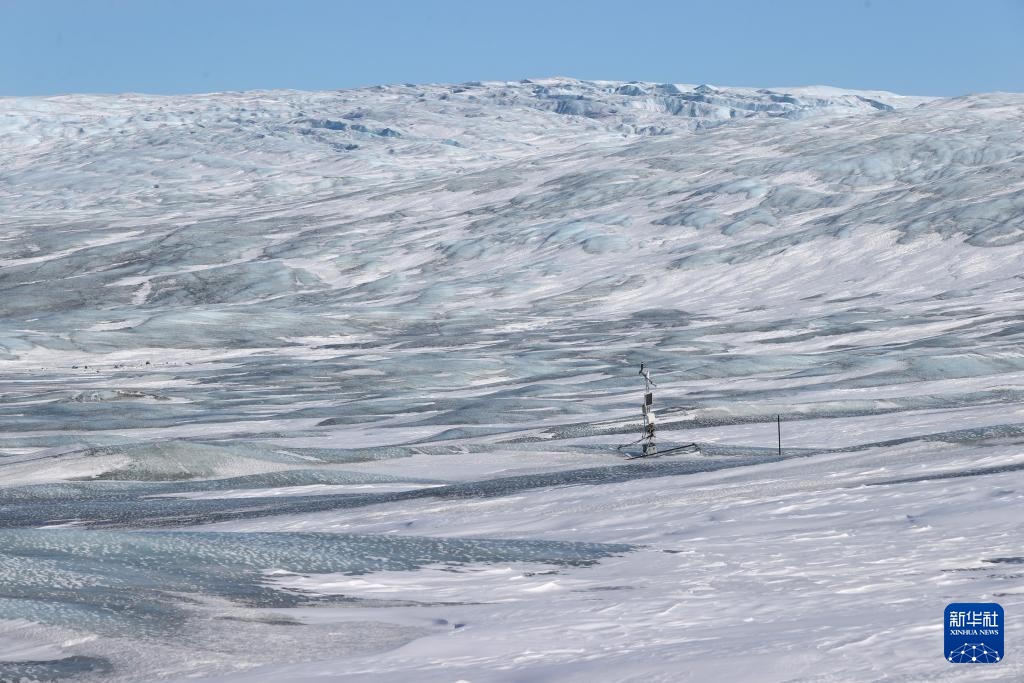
(303, 385)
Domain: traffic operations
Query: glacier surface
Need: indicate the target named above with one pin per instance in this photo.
(300, 385)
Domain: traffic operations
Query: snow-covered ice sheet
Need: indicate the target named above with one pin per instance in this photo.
(302, 386)
(815, 559)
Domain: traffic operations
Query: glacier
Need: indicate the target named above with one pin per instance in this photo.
(309, 385)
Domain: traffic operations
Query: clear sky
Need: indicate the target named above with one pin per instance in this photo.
(920, 47)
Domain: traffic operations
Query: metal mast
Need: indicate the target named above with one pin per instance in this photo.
(647, 437)
(650, 446)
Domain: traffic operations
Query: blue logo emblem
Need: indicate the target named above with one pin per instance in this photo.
(974, 633)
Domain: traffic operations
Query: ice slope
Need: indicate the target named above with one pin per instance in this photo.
(415, 313)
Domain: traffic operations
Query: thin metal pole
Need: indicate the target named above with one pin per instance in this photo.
(778, 424)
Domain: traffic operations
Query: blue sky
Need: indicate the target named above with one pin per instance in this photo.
(927, 47)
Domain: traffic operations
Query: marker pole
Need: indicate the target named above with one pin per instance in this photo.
(778, 424)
